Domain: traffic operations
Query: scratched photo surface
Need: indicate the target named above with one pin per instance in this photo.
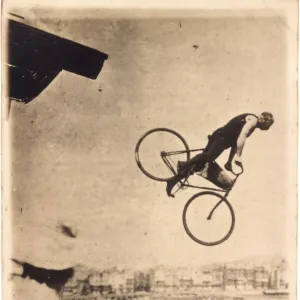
(79, 198)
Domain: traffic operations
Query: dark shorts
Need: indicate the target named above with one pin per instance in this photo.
(219, 138)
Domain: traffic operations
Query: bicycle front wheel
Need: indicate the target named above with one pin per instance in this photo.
(158, 151)
(208, 218)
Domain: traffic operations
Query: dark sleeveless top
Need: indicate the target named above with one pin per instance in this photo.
(231, 131)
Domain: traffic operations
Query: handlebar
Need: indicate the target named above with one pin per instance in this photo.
(238, 174)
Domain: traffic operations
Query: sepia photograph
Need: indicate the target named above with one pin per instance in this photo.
(150, 154)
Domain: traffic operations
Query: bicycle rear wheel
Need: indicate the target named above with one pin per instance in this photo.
(158, 151)
(208, 218)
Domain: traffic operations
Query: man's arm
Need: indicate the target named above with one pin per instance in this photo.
(250, 125)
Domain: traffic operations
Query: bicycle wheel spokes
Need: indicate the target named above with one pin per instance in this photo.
(199, 227)
(153, 153)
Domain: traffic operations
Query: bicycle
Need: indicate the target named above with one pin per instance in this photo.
(166, 168)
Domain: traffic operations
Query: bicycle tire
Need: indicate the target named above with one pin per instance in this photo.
(137, 148)
(193, 237)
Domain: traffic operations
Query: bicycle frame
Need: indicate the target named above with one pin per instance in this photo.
(164, 156)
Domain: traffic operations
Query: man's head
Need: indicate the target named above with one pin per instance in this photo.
(265, 121)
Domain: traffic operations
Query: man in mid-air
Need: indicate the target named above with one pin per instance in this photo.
(233, 135)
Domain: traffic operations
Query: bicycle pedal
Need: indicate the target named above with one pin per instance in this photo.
(183, 185)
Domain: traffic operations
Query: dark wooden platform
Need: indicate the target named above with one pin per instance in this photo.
(36, 57)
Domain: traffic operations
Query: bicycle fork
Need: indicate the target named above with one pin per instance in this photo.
(217, 205)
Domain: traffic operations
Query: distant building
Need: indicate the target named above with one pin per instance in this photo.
(217, 277)
(201, 280)
(99, 284)
(278, 278)
(117, 280)
(186, 284)
(130, 285)
(261, 278)
(71, 287)
(207, 279)
(117, 284)
(244, 277)
(234, 277)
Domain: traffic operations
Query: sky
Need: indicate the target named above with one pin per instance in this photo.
(73, 146)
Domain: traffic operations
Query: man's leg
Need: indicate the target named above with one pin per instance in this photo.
(185, 165)
(172, 182)
(213, 149)
(196, 160)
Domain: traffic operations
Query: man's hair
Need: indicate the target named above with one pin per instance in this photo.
(268, 116)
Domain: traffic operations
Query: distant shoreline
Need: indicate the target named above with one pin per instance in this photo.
(204, 296)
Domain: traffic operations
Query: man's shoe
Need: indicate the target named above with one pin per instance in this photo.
(170, 184)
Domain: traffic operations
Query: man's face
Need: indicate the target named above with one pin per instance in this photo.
(265, 124)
